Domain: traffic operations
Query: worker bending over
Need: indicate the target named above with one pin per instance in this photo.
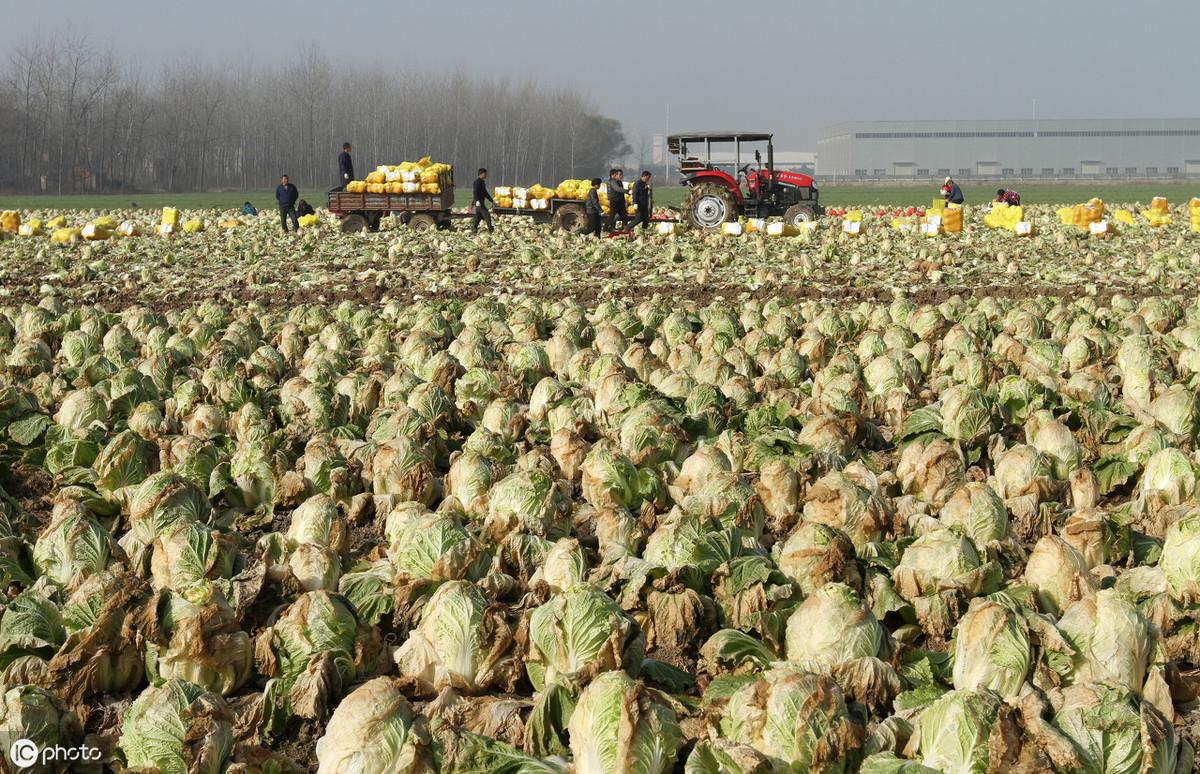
(1004, 196)
(951, 192)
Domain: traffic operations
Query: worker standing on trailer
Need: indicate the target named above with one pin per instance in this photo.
(286, 195)
(616, 200)
(592, 208)
(345, 167)
(479, 199)
(641, 200)
(952, 193)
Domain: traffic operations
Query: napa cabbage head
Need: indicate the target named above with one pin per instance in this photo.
(619, 726)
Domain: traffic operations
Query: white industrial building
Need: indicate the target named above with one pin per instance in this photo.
(1023, 149)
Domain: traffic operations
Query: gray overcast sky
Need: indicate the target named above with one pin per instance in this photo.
(790, 67)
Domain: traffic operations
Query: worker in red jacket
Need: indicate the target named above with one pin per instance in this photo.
(1011, 198)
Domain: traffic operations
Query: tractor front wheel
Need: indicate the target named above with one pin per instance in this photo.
(708, 205)
(799, 213)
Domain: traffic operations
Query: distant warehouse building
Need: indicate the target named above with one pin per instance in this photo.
(1040, 148)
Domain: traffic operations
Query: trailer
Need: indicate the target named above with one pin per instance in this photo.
(419, 211)
(562, 214)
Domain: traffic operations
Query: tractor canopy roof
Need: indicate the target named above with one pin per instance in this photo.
(676, 140)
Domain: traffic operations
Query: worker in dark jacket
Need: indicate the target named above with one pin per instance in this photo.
(952, 192)
(286, 196)
(345, 167)
(304, 208)
(479, 199)
(592, 208)
(616, 200)
(641, 200)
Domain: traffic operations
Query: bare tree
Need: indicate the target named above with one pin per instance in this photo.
(75, 116)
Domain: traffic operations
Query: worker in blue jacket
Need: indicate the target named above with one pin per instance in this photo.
(345, 167)
(286, 196)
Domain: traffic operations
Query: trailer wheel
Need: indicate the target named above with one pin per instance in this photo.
(799, 213)
(421, 222)
(708, 205)
(570, 218)
(373, 220)
(352, 224)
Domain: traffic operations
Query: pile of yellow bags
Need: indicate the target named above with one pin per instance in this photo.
(309, 221)
(1082, 215)
(952, 219)
(1159, 214)
(535, 197)
(31, 228)
(574, 189)
(408, 177)
(10, 221)
(193, 226)
(1194, 214)
(1124, 216)
(1004, 216)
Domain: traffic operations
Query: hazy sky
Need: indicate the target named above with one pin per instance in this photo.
(790, 67)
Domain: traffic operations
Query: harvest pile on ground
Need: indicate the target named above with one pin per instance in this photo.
(529, 502)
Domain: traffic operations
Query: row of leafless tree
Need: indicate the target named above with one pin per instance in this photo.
(75, 118)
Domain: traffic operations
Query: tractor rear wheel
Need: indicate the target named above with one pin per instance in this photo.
(570, 218)
(421, 222)
(708, 205)
(352, 224)
(799, 213)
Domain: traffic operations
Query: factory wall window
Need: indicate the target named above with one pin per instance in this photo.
(860, 173)
(880, 172)
(1131, 171)
(1047, 171)
(1026, 171)
(1111, 171)
(944, 172)
(1151, 171)
(922, 173)
(1172, 170)
(964, 172)
(1006, 172)
(1068, 171)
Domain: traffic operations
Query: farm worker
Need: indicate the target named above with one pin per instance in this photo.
(249, 209)
(345, 167)
(952, 192)
(592, 208)
(641, 200)
(304, 208)
(286, 196)
(616, 200)
(480, 198)
(1008, 197)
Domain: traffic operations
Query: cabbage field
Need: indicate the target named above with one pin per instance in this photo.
(529, 502)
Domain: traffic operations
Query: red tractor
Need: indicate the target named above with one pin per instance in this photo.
(715, 187)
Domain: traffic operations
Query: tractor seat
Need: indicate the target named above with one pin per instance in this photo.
(692, 164)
